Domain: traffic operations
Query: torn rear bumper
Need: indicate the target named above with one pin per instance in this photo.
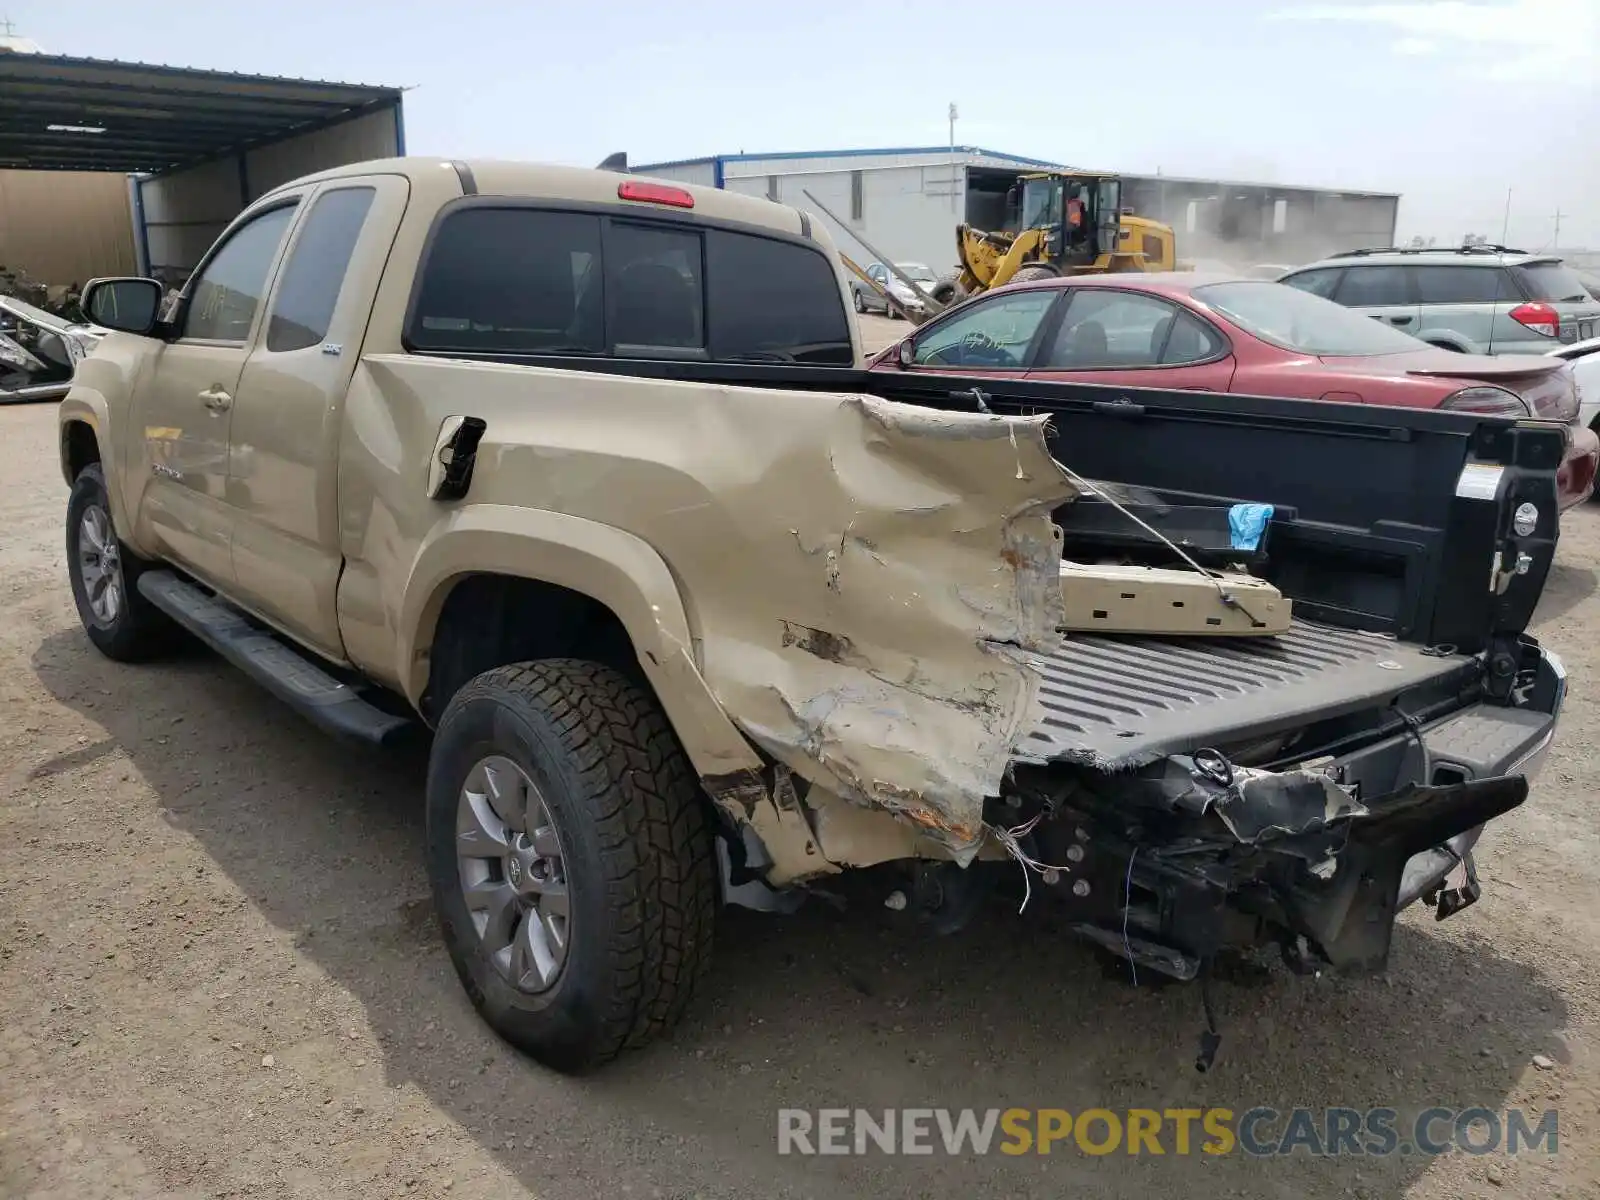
(1526, 735)
(1194, 856)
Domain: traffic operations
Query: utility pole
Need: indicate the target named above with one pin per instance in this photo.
(1505, 226)
(6, 27)
(953, 116)
(1555, 238)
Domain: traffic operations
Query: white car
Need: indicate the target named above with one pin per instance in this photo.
(39, 351)
(1585, 359)
(868, 300)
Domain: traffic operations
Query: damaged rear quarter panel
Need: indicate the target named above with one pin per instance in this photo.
(863, 578)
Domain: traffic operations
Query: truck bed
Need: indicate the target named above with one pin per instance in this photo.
(1119, 702)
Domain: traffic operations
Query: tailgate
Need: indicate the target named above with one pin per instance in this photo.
(1114, 703)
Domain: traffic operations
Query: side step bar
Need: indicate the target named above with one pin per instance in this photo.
(284, 671)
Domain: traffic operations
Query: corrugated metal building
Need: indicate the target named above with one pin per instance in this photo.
(908, 201)
(64, 227)
(185, 151)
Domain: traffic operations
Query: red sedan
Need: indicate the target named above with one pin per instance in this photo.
(1229, 334)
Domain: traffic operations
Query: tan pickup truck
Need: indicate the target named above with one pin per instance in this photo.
(578, 473)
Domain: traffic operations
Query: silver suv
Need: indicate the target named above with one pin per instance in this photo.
(1478, 299)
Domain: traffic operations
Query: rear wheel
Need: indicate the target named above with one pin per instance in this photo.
(120, 622)
(570, 858)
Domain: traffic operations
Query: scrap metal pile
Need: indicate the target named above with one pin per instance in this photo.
(43, 337)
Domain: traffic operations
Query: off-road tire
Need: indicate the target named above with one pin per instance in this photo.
(1034, 271)
(140, 630)
(637, 848)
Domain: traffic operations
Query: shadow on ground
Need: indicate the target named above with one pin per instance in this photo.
(820, 1009)
(1565, 588)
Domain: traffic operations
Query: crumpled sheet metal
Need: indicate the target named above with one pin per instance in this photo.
(865, 582)
(1255, 806)
(903, 681)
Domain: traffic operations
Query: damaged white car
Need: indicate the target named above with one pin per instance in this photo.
(39, 351)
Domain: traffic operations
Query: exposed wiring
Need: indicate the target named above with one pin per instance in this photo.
(1229, 600)
(1127, 903)
(1011, 840)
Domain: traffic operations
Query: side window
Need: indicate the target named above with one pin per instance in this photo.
(514, 280)
(1320, 282)
(774, 301)
(228, 290)
(1104, 328)
(1368, 287)
(1462, 285)
(653, 287)
(992, 333)
(303, 306)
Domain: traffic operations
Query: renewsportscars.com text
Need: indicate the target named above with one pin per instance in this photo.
(1257, 1132)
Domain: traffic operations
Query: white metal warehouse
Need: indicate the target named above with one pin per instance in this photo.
(907, 201)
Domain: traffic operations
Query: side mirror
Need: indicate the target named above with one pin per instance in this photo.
(127, 304)
(908, 353)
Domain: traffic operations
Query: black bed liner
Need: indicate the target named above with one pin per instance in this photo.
(1119, 702)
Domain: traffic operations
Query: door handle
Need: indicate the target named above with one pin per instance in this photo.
(216, 399)
(1400, 320)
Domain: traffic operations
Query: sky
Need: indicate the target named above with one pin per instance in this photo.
(1448, 102)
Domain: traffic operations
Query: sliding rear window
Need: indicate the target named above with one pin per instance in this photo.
(524, 280)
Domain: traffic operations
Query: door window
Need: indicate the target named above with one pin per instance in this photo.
(1375, 286)
(229, 288)
(303, 307)
(1105, 329)
(1462, 285)
(992, 333)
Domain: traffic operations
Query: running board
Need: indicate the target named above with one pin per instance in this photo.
(284, 671)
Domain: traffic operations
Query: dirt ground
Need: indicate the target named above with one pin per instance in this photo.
(219, 977)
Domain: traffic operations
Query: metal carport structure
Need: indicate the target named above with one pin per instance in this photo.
(199, 145)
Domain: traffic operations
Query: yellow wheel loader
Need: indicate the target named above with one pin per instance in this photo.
(1059, 223)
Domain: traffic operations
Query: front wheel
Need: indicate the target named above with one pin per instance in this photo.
(121, 623)
(570, 858)
(861, 305)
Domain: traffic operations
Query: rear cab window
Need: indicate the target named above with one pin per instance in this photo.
(503, 277)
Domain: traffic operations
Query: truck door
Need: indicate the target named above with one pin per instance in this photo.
(184, 403)
(283, 456)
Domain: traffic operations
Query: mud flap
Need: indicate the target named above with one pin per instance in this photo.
(1352, 917)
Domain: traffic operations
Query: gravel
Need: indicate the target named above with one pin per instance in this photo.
(190, 875)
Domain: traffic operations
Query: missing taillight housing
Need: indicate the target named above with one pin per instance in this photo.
(654, 193)
(1539, 317)
(1491, 401)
